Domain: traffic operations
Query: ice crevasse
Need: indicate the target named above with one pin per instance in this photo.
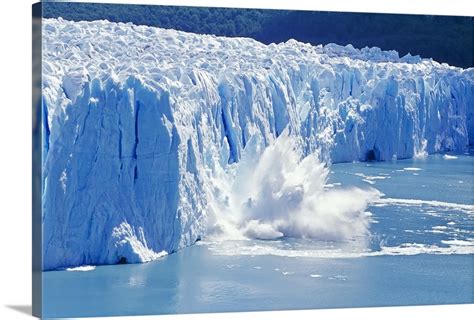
(139, 120)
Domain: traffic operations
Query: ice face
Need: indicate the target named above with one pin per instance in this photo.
(139, 122)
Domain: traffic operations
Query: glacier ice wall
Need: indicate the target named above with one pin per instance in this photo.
(137, 121)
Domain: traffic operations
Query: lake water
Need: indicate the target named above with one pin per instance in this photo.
(421, 251)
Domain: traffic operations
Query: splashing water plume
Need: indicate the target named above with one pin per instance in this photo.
(275, 192)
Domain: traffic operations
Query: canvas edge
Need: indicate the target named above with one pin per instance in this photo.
(37, 278)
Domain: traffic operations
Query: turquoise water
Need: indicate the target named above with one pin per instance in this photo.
(420, 251)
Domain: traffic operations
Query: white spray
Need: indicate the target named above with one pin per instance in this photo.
(274, 192)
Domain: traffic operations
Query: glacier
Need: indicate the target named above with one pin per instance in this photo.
(143, 128)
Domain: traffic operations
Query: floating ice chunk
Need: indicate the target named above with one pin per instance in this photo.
(462, 243)
(412, 169)
(468, 208)
(448, 157)
(371, 179)
(236, 249)
(81, 268)
(461, 247)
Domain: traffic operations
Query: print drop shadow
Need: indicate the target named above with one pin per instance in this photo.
(25, 309)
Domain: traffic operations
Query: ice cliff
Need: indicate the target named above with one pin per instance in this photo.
(139, 121)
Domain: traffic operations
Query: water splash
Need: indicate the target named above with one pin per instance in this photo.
(276, 192)
(420, 152)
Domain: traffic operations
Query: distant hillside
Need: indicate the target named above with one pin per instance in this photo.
(445, 39)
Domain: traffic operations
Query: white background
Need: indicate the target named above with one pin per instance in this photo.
(15, 155)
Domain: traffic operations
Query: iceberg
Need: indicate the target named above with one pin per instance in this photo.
(141, 124)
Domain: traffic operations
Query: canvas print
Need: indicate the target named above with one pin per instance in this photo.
(210, 160)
